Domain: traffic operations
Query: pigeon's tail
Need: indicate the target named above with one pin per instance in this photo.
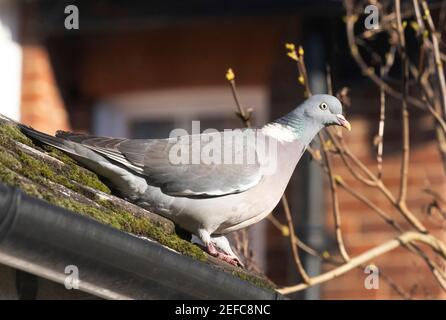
(37, 135)
(56, 142)
(7, 119)
(66, 135)
(121, 179)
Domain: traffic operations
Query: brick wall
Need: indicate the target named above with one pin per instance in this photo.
(362, 227)
(41, 104)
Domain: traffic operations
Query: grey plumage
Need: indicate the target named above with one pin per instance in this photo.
(150, 158)
(207, 199)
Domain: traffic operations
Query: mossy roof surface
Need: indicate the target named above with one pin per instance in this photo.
(49, 174)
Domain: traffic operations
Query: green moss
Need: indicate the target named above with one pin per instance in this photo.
(175, 242)
(145, 227)
(61, 156)
(38, 169)
(16, 164)
(125, 221)
(255, 280)
(11, 131)
(8, 176)
(9, 160)
(76, 173)
(86, 178)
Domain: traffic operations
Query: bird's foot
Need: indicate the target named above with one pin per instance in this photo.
(223, 256)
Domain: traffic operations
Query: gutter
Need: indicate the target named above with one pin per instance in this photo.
(42, 239)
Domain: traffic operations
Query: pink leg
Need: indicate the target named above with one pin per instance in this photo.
(219, 255)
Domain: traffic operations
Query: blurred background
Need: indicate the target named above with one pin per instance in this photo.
(139, 69)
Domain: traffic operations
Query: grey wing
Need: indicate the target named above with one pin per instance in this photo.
(179, 167)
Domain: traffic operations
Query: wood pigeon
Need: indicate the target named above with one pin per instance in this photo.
(210, 195)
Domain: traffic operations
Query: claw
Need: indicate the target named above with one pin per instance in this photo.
(227, 259)
(223, 256)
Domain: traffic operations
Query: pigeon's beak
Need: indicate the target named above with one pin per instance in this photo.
(343, 122)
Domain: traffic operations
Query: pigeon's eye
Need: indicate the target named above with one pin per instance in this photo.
(323, 106)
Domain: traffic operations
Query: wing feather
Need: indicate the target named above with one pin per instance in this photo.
(152, 158)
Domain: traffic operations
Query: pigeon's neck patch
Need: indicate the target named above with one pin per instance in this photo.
(280, 132)
(288, 128)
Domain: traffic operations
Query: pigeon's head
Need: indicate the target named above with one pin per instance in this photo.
(305, 121)
(323, 109)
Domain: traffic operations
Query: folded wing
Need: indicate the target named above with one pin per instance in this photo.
(207, 165)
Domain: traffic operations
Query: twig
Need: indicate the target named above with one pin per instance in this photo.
(303, 79)
(436, 110)
(326, 257)
(438, 201)
(245, 116)
(437, 57)
(439, 274)
(335, 203)
(382, 120)
(333, 189)
(350, 23)
(297, 261)
(279, 226)
(369, 203)
(403, 209)
(373, 253)
(298, 56)
(345, 152)
(405, 114)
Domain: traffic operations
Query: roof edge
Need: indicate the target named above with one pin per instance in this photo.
(44, 240)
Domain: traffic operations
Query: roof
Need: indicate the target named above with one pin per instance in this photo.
(63, 198)
(96, 15)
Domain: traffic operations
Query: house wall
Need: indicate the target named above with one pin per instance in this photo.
(96, 66)
(362, 228)
(41, 103)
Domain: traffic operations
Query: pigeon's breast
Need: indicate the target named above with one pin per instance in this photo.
(234, 211)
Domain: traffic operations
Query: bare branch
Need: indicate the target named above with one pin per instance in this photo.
(380, 137)
(405, 238)
(405, 113)
(436, 49)
(297, 261)
(335, 202)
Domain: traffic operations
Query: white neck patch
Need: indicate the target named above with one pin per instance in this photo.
(279, 132)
